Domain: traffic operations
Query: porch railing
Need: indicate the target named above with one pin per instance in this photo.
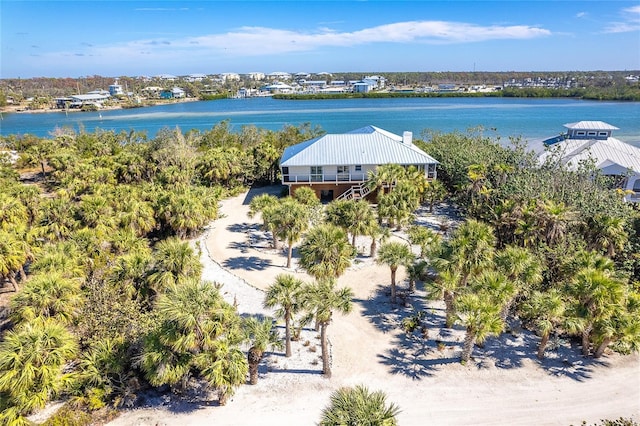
(332, 178)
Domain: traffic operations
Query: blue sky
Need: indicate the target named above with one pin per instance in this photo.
(114, 38)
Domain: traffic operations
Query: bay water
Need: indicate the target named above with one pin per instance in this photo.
(531, 119)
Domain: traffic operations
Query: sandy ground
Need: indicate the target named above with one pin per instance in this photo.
(503, 385)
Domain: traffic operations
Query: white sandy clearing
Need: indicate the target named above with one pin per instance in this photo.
(503, 385)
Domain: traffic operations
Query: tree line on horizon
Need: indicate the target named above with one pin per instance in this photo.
(104, 277)
(595, 85)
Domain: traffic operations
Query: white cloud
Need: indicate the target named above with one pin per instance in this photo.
(581, 14)
(631, 21)
(252, 41)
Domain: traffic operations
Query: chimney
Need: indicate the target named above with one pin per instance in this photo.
(407, 137)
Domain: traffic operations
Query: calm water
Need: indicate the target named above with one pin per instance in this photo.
(529, 118)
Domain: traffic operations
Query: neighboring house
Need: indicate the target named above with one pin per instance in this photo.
(336, 166)
(593, 141)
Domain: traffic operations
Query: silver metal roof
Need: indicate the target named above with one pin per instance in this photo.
(368, 145)
(590, 125)
(605, 152)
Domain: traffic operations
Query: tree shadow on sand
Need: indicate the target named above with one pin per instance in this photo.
(247, 263)
(243, 227)
(412, 355)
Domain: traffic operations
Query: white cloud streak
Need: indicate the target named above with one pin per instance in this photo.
(260, 41)
(631, 21)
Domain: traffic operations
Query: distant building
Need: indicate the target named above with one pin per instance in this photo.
(593, 141)
(277, 87)
(230, 76)
(361, 87)
(192, 78)
(257, 76)
(115, 89)
(279, 76)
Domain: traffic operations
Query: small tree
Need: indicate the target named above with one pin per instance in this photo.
(322, 300)
(261, 334)
(359, 406)
(285, 292)
(394, 254)
(481, 317)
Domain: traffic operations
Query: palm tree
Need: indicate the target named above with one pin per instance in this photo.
(500, 289)
(521, 268)
(64, 257)
(416, 271)
(607, 233)
(306, 196)
(481, 317)
(285, 292)
(623, 327)
(377, 232)
(434, 192)
(394, 254)
(325, 253)
(385, 176)
(12, 212)
(547, 310)
(291, 222)
(174, 261)
(259, 204)
(47, 296)
(323, 299)
(596, 295)
(198, 331)
(471, 248)
(225, 368)
(32, 360)
(359, 406)
(398, 205)
(363, 219)
(556, 218)
(261, 334)
(445, 287)
(12, 257)
(423, 237)
(137, 215)
(354, 216)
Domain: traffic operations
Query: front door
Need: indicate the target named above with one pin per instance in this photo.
(326, 195)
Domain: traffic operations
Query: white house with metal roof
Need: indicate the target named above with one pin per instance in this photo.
(337, 165)
(593, 141)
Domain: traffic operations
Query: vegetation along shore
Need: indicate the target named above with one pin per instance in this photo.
(504, 282)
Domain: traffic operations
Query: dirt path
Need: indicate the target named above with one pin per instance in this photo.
(504, 385)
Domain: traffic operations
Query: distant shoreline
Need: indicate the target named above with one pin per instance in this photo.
(21, 108)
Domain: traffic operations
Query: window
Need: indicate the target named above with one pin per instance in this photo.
(581, 133)
(343, 173)
(603, 134)
(316, 173)
(285, 173)
(358, 168)
(591, 133)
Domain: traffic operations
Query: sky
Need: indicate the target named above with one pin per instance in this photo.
(130, 38)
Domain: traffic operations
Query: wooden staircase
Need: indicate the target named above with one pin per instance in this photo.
(356, 192)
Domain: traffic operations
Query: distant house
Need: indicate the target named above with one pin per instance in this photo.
(361, 87)
(92, 98)
(277, 87)
(593, 141)
(115, 89)
(175, 93)
(337, 165)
